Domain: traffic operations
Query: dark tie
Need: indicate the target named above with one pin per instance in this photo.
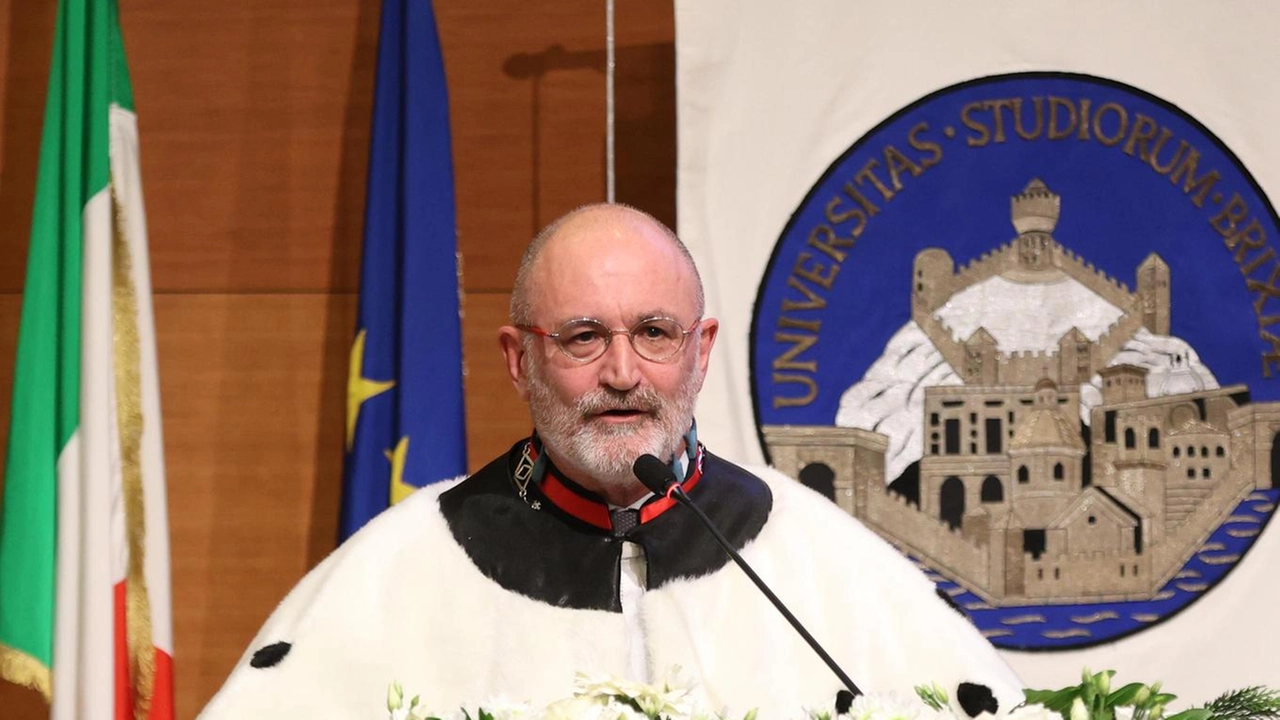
(624, 521)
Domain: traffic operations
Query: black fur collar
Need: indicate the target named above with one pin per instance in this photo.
(533, 548)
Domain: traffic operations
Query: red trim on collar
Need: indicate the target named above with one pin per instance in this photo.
(657, 506)
(596, 513)
(587, 510)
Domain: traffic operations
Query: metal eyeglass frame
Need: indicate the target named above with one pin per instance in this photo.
(607, 333)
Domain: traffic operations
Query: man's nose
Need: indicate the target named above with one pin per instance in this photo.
(620, 365)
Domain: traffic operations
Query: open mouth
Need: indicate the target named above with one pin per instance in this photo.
(621, 414)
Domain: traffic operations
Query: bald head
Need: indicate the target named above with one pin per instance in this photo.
(592, 231)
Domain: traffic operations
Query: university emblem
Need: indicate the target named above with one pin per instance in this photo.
(1028, 330)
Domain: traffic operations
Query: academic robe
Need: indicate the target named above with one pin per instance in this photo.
(468, 591)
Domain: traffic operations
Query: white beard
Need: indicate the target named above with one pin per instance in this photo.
(604, 450)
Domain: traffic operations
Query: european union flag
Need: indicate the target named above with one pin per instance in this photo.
(405, 417)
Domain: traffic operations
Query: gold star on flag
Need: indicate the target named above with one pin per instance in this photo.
(360, 388)
(399, 488)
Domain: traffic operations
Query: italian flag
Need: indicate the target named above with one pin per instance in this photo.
(85, 613)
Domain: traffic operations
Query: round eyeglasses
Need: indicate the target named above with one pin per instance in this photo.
(657, 339)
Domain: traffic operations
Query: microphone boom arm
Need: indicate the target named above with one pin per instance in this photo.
(678, 493)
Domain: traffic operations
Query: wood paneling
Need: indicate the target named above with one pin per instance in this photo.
(254, 121)
(254, 117)
(253, 388)
(496, 417)
(526, 85)
(26, 35)
(22, 704)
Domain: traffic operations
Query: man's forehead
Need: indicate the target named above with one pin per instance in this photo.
(613, 299)
(613, 263)
(629, 319)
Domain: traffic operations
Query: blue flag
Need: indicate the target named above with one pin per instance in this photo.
(405, 416)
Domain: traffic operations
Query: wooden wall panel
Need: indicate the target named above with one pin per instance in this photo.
(255, 125)
(526, 87)
(495, 416)
(253, 391)
(21, 703)
(254, 121)
(26, 34)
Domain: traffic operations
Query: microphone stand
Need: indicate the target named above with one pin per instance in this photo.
(842, 702)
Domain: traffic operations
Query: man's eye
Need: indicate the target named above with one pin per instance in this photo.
(657, 332)
(583, 337)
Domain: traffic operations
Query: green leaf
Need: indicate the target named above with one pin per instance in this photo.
(1250, 703)
(1125, 695)
(751, 715)
(1089, 694)
(1056, 700)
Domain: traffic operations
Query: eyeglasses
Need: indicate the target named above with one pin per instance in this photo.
(657, 339)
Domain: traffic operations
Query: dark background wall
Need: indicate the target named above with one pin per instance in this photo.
(254, 119)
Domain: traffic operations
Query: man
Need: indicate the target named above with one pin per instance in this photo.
(554, 559)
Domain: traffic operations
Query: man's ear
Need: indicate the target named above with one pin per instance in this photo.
(512, 344)
(708, 330)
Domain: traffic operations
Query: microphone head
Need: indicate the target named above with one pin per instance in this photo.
(654, 474)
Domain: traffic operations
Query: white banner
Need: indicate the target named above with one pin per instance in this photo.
(1013, 262)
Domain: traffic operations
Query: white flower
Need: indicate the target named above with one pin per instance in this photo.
(1078, 710)
(885, 707)
(578, 707)
(502, 708)
(672, 698)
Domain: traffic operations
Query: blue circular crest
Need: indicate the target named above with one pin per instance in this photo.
(1028, 329)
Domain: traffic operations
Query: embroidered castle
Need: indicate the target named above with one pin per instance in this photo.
(1014, 497)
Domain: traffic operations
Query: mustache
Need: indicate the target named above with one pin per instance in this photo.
(642, 399)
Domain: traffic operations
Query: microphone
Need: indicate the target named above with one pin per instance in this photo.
(659, 478)
(655, 475)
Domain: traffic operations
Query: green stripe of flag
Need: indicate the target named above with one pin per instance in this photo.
(87, 71)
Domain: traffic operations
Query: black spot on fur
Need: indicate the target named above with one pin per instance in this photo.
(976, 699)
(270, 655)
(950, 601)
(844, 701)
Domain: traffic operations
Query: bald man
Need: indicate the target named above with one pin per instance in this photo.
(554, 559)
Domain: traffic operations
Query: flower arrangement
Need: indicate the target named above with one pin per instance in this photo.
(610, 698)
(1093, 699)
(594, 698)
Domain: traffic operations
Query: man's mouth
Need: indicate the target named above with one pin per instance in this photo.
(621, 414)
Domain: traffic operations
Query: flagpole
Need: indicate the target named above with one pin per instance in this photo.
(610, 155)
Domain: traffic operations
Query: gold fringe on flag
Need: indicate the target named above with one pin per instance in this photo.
(128, 376)
(22, 669)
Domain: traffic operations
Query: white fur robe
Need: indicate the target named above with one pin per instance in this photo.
(402, 601)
